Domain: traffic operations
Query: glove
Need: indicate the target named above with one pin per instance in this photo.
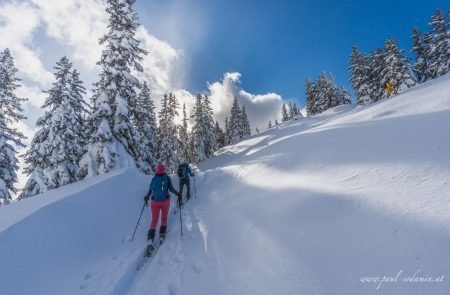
(146, 198)
(193, 174)
(179, 195)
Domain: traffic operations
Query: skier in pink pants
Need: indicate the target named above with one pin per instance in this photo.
(160, 186)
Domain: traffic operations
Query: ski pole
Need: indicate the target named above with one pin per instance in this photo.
(181, 223)
(195, 188)
(138, 222)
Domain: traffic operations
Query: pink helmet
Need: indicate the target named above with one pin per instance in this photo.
(160, 169)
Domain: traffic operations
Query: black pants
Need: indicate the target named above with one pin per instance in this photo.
(184, 182)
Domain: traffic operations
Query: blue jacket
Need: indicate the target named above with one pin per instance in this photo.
(169, 186)
(187, 169)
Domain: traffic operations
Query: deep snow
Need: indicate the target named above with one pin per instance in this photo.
(311, 206)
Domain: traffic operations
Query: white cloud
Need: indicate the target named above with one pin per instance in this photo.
(77, 24)
(18, 23)
(260, 107)
(159, 63)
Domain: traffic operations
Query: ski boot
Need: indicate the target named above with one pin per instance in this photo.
(150, 248)
(162, 234)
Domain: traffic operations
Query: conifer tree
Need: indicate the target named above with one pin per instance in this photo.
(235, 125)
(334, 95)
(298, 113)
(183, 134)
(438, 47)
(310, 101)
(10, 138)
(167, 133)
(269, 125)
(377, 64)
(284, 113)
(220, 136)
(52, 159)
(245, 123)
(191, 147)
(396, 70)
(420, 67)
(322, 94)
(203, 131)
(291, 111)
(227, 131)
(345, 96)
(328, 95)
(147, 127)
(208, 127)
(198, 132)
(113, 139)
(322, 90)
(360, 76)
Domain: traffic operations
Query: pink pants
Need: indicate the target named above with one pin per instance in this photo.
(156, 207)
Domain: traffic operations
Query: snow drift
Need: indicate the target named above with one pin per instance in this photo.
(353, 201)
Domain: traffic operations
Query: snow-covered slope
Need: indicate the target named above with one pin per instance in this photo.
(315, 206)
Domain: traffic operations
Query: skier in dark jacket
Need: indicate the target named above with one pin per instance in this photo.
(184, 172)
(160, 186)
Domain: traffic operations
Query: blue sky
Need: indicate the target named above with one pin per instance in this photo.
(275, 45)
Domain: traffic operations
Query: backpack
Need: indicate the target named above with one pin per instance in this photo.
(181, 172)
(159, 186)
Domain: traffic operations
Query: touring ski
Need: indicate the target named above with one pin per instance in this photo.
(150, 251)
(175, 210)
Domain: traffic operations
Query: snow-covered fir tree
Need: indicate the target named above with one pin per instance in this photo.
(328, 93)
(276, 122)
(184, 140)
(113, 139)
(256, 130)
(10, 138)
(335, 96)
(245, 123)
(52, 159)
(345, 95)
(322, 94)
(227, 131)
(396, 70)
(311, 107)
(420, 67)
(198, 132)
(235, 123)
(360, 76)
(291, 111)
(377, 63)
(284, 113)
(78, 93)
(191, 147)
(203, 130)
(167, 133)
(269, 125)
(438, 45)
(296, 111)
(208, 126)
(148, 129)
(220, 136)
